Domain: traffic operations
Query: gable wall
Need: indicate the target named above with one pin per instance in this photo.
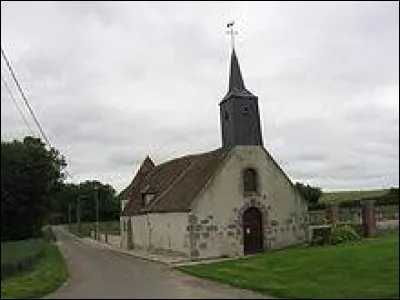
(216, 217)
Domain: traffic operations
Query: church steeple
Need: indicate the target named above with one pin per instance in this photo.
(235, 78)
(236, 83)
(240, 119)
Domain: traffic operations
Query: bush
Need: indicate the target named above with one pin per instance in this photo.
(342, 233)
(316, 206)
(321, 236)
(350, 204)
(337, 234)
(391, 198)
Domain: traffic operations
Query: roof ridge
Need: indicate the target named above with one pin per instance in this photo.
(188, 156)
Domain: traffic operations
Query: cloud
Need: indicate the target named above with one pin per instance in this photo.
(114, 81)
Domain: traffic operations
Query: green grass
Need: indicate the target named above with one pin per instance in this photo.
(367, 269)
(47, 275)
(345, 196)
(19, 250)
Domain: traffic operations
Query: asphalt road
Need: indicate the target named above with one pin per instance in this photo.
(104, 274)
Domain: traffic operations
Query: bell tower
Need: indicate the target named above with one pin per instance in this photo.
(239, 114)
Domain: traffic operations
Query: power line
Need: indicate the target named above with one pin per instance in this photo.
(26, 100)
(23, 97)
(16, 105)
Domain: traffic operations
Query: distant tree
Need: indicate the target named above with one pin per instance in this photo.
(29, 172)
(309, 193)
(64, 197)
(391, 198)
(85, 194)
(106, 195)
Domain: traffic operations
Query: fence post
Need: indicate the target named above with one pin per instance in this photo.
(369, 218)
(332, 213)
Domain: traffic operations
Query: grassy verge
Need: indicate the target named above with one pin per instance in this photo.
(47, 275)
(368, 269)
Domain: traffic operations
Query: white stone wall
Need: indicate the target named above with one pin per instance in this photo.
(215, 220)
(161, 232)
(123, 232)
(123, 220)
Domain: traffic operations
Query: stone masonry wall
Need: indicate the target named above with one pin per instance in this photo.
(215, 224)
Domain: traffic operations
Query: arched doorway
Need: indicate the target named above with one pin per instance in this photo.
(252, 231)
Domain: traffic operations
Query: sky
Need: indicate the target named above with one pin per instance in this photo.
(112, 82)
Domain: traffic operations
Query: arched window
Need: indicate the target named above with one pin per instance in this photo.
(250, 180)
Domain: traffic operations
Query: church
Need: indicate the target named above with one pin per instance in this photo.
(228, 202)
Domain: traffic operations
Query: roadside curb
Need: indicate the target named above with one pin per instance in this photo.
(94, 243)
(172, 264)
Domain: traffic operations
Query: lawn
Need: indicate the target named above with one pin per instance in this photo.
(48, 273)
(367, 269)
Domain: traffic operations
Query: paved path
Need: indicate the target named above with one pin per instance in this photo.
(105, 274)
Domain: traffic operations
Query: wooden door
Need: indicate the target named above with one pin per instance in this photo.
(252, 231)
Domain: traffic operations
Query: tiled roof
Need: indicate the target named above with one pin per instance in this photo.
(175, 183)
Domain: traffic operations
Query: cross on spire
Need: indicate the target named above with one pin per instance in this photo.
(232, 33)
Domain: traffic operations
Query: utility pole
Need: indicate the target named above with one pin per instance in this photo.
(78, 214)
(97, 212)
(69, 216)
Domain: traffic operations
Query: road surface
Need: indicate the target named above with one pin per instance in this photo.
(105, 274)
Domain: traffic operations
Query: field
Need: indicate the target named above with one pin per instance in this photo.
(345, 196)
(367, 269)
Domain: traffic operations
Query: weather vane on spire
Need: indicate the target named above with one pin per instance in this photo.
(232, 33)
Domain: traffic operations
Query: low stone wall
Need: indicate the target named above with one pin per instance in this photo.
(389, 225)
(114, 240)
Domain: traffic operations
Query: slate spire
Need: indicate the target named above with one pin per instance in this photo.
(236, 82)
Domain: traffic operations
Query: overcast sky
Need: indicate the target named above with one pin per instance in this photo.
(112, 82)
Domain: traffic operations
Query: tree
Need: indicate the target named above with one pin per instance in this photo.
(309, 193)
(29, 172)
(108, 202)
(84, 193)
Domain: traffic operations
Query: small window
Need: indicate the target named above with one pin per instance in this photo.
(143, 202)
(146, 198)
(250, 180)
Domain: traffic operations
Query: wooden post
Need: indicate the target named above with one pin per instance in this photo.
(369, 218)
(332, 213)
